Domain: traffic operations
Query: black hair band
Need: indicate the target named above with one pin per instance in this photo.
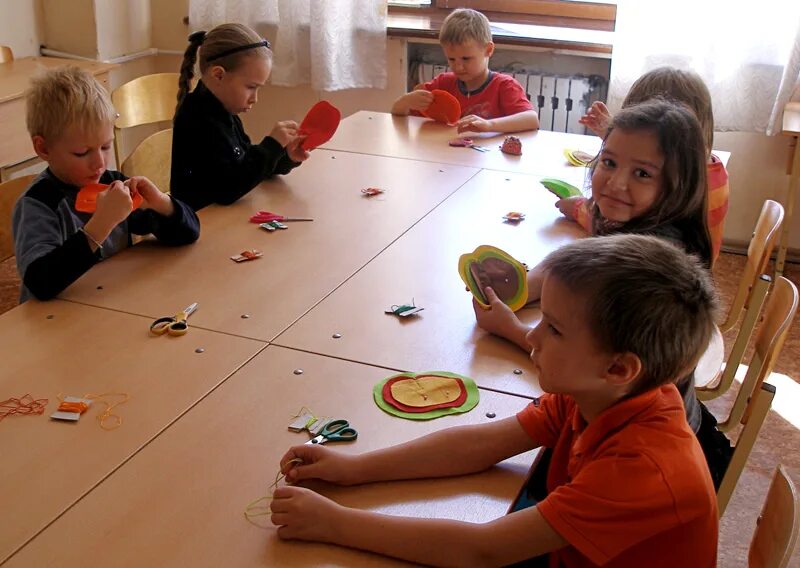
(262, 43)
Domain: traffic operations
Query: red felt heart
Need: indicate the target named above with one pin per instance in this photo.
(86, 201)
(445, 107)
(319, 125)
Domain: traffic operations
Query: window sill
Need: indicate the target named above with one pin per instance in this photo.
(592, 37)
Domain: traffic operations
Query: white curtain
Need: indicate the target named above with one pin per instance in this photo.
(331, 44)
(748, 53)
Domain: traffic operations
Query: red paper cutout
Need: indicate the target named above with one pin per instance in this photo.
(86, 201)
(445, 108)
(319, 125)
(387, 395)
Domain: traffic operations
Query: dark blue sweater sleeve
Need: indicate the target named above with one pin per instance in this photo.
(46, 261)
(180, 228)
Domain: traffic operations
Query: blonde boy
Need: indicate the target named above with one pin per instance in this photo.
(489, 101)
(71, 122)
(622, 317)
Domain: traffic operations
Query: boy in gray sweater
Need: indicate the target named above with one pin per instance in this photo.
(71, 122)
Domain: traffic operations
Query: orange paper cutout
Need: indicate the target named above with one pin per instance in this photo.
(86, 202)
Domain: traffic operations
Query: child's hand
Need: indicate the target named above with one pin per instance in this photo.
(295, 151)
(418, 100)
(304, 515)
(568, 205)
(113, 206)
(284, 132)
(318, 463)
(500, 320)
(597, 118)
(472, 123)
(153, 198)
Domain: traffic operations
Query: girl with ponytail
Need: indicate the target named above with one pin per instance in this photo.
(213, 160)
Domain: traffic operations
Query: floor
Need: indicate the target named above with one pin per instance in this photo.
(779, 441)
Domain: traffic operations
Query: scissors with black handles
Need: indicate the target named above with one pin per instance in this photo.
(335, 431)
(174, 325)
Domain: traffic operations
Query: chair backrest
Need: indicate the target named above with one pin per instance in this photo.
(778, 316)
(152, 159)
(758, 409)
(6, 54)
(9, 193)
(776, 530)
(144, 100)
(720, 384)
(758, 253)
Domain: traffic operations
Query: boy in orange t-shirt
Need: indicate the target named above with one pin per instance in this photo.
(622, 317)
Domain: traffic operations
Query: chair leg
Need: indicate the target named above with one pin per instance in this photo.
(760, 404)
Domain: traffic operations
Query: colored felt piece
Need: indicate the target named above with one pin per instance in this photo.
(424, 393)
(86, 201)
(560, 188)
(578, 158)
(490, 266)
(319, 125)
(445, 108)
(471, 389)
(512, 145)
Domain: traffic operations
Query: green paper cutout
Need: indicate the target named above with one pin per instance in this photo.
(473, 397)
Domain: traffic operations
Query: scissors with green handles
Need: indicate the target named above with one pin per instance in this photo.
(335, 431)
(175, 325)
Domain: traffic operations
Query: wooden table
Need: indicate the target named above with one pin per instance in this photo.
(15, 76)
(791, 127)
(417, 138)
(64, 348)
(300, 266)
(180, 501)
(422, 266)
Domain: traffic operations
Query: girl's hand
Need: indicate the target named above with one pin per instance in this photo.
(153, 198)
(113, 206)
(284, 132)
(472, 123)
(302, 514)
(597, 118)
(500, 320)
(568, 205)
(318, 462)
(418, 100)
(295, 151)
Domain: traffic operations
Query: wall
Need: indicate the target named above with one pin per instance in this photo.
(69, 26)
(18, 27)
(123, 27)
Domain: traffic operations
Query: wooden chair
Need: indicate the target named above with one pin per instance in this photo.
(777, 526)
(9, 192)
(778, 316)
(6, 54)
(145, 100)
(719, 384)
(755, 396)
(152, 159)
(758, 253)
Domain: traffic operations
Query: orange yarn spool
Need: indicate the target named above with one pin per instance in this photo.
(79, 407)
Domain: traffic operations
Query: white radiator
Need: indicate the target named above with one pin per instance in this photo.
(559, 100)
